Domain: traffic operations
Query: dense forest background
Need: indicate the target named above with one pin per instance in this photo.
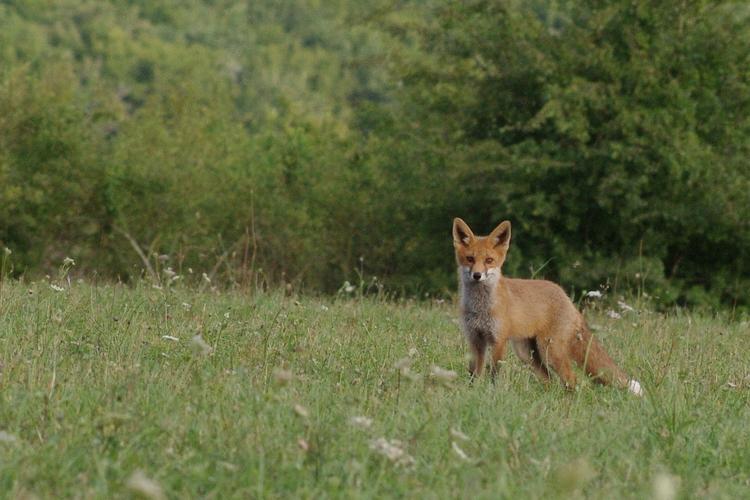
(312, 142)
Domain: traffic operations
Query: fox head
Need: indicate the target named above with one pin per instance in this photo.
(480, 258)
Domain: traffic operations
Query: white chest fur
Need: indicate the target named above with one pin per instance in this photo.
(477, 320)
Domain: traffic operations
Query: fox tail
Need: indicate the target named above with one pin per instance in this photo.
(591, 356)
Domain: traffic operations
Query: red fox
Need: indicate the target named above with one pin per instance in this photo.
(544, 327)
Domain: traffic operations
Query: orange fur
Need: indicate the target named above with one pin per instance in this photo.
(544, 327)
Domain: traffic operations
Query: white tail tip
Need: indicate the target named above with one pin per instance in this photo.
(635, 387)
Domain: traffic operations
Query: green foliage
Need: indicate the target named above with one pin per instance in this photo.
(305, 141)
(607, 132)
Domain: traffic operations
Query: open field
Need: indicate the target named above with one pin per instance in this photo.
(104, 393)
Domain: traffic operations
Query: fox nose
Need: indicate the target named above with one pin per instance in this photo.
(477, 276)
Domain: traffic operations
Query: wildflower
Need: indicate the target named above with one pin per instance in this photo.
(442, 375)
(461, 453)
(362, 422)
(7, 251)
(169, 272)
(324, 307)
(141, 484)
(594, 294)
(200, 346)
(457, 434)
(7, 438)
(665, 486)
(348, 287)
(624, 307)
(206, 278)
(402, 364)
(186, 306)
(57, 288)
(301, 411)
(392, 450)
(228, 466)
(614, 314)
(226, 315)
(69, 262)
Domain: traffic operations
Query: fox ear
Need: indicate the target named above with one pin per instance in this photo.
(501, 234)
(462, 235)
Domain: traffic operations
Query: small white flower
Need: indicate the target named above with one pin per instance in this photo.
(442, 375)
(69, 262)
(392, 450)
(301, 411)
(141, 484)
(348, 287)
(303, 444)
(360, 421)
(206, 278)
(200, 346)
(226, 315)
(7, 251)
(324, 307)
(186, 306)
(57, 288)
(461, 453)
(169, 272)
(594, 294)
(613, 314)
(229, 466)
(665, 486)
(457, 434)
(624, 307)
(7, 438)
(402, 364)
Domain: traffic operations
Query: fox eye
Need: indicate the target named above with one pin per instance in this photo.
(470, 259)
(489, 260)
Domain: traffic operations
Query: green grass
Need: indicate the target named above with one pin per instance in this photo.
(91, 393)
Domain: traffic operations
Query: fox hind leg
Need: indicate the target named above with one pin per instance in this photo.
(554, 353)
(528, 351)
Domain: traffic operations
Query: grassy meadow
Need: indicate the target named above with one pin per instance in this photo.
(107, 393)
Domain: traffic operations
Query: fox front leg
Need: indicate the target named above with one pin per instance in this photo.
(478, 348)
(498, 354)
